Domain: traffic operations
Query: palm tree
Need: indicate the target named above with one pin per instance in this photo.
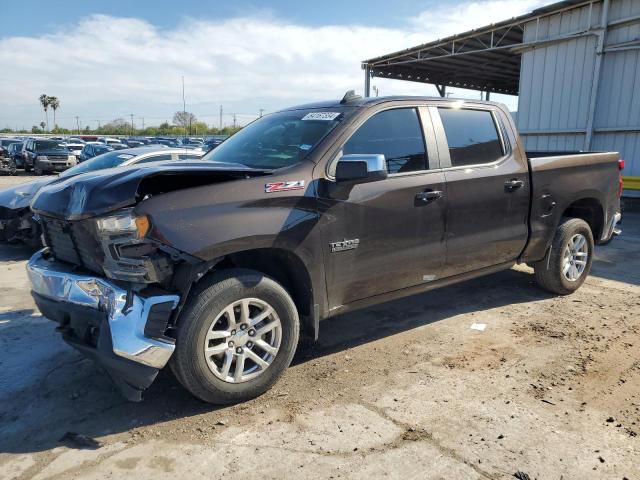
(44, 101)
(42, 124)
(54, 103)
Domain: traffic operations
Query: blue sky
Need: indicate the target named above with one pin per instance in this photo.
(48, 16)
(110, 59)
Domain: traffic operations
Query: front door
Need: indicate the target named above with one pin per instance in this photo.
(386, 235)
(487, 188)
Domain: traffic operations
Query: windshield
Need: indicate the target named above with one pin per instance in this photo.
(49, 145)
(108, 160)
(98, 149)
(278, 140)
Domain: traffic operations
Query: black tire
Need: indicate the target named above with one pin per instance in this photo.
(12, 167)
(549, 272)
(209, 298)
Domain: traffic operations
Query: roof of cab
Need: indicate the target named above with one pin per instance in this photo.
(371, 101)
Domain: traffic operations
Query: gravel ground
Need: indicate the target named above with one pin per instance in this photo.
(404, 390)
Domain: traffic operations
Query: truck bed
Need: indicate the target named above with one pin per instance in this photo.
(565, 182)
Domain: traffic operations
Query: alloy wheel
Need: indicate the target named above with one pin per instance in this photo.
(243, 340)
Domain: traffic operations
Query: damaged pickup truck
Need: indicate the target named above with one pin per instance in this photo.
(216, 267)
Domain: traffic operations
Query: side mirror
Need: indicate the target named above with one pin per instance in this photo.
(361, 168)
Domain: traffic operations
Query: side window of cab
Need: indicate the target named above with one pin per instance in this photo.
(396, 134)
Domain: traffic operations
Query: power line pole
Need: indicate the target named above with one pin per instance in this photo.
(261, 112)
(131, 124)
(78, 124)
(142, 123)
(234, 120)
(220, 117)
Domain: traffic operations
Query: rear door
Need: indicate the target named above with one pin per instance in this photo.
(394, 235)
(487, 187)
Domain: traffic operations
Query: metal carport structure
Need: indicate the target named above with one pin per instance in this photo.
(573, 65)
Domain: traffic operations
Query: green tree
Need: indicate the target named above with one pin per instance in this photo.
(54, 103)
(44, 101)
(184, 120)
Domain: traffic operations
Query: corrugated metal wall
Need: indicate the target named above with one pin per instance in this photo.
(558, 83)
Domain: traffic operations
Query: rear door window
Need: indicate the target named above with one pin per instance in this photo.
(472, 136)
(397, 134)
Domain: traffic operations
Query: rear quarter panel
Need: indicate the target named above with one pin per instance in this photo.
(559, 181)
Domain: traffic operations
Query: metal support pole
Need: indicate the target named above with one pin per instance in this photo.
(602, 33)
(442, 90)
(367, 81)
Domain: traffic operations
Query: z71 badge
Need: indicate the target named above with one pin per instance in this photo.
(284, 186)
(344, 245)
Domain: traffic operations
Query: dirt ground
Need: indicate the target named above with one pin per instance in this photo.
(550, 388)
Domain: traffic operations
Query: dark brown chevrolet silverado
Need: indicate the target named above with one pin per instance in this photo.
(216, 267)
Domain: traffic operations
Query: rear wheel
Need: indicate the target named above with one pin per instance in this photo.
(568, 261)
(237, 335)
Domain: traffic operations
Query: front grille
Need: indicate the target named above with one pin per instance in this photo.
(58, 157)
(73, 242)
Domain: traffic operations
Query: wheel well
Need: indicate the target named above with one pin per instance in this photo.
(281, 265)
(590, 210)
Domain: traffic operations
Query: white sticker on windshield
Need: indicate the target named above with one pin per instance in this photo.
(326, 116)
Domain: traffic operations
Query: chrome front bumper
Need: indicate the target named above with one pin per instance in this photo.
(55, 281)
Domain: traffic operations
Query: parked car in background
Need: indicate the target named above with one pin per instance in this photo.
(15, 152)
(120, 146)
(46, 156)
(92, 149)
(169, 142)
(4, 144)
(211, 144)
(109, 141)
(74, 146)
(192, 141)
(8, 163)
(16, 219)
(133, 143)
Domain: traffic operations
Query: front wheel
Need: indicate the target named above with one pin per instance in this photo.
(567, 264)
(12, 167)
(236, 336)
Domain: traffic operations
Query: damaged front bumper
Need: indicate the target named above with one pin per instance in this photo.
(121, 330)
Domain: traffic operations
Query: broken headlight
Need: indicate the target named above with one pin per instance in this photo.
(124, 222)
(129, 254)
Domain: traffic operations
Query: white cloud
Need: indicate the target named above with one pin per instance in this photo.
(106, 67)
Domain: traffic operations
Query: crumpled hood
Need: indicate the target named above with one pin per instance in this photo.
(19, 196)
(96, 193)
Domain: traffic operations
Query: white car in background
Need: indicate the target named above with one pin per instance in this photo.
(110, 141)
(74, 147)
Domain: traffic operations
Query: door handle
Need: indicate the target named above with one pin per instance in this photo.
(428, 196)
(513, 184)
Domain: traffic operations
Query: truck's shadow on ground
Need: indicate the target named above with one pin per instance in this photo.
(69, 393)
